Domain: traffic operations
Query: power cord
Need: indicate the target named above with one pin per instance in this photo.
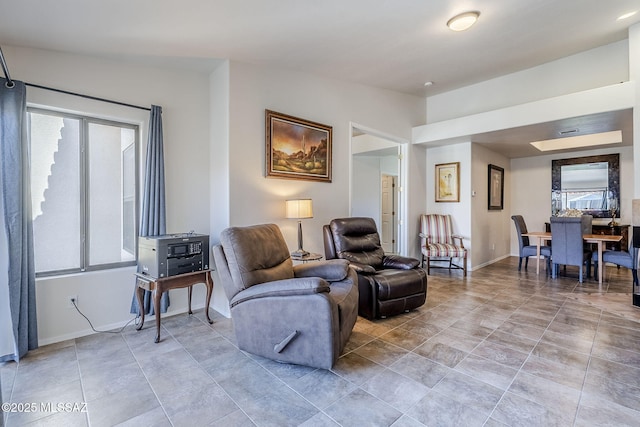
(73, 301)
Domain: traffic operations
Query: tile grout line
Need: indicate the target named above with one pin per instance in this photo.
(146, 377)
(84, 394)
(523, 364)
(586, 372)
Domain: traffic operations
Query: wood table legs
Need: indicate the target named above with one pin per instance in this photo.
(159, 286)
(538, 256)
(600, 263)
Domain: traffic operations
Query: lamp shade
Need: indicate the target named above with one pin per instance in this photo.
(299, 208)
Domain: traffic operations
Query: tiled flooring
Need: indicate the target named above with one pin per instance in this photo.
(497, 348)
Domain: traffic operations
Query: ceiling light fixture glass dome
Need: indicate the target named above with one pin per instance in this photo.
(463, 21)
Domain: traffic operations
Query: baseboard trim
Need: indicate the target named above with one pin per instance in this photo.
(493, 261)
(148, 320)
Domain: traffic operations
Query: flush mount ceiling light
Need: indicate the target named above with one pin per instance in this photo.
(613, 137)
(463, 21)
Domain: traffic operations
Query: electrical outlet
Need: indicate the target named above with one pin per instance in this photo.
(493, 247)
(70, 300)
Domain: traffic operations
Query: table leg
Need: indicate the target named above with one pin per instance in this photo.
(538, 255)
(189, 293)
(600, 263)
(140, 297)
(156, 307)
(209, 284)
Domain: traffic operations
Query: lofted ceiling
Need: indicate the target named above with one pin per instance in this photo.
(390, 44)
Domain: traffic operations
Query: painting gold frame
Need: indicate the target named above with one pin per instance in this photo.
(448, 182)
(297, 148)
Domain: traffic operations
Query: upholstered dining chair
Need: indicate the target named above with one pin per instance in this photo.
(527, 250)
(438, 241)
(567, 243)
(301, 314)
(622, 258)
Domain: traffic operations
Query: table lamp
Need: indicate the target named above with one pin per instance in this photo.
(299, 209)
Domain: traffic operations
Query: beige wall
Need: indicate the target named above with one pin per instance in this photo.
(603, 66)
(459, 211)
(490, 228)
(105, 296)
(569, 85)
(242, 195)
(531, 188)
(254, 89)
(214, 157)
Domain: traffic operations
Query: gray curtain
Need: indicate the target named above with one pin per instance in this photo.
(153, 221)
(16, 203)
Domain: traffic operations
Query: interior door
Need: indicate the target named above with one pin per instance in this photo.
(387, 222)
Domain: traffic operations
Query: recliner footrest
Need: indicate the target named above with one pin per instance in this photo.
(393, 284)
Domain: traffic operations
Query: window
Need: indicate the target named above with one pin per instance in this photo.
(84, 192)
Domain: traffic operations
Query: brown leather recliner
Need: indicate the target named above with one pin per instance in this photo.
(387, 284)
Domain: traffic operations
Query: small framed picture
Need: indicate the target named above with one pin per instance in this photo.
(448, 182)
(297, 148)
(496, 188)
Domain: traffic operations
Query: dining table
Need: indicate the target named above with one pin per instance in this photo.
(599, 239)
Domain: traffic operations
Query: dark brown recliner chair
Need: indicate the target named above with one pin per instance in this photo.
(387, 284)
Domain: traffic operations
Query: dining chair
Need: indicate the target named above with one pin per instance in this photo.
(527, 250)
(627, 259)
(567, 243)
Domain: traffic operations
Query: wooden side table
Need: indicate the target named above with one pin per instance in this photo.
(158, 286)
(615, 230)
(307, 258)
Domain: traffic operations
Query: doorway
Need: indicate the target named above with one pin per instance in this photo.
(388, 208)
(377, 168)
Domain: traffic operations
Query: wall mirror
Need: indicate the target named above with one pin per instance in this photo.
(590, 184)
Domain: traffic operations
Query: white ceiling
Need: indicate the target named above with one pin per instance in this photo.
(391, 44)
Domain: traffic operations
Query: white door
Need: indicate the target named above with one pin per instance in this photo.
(388, 220)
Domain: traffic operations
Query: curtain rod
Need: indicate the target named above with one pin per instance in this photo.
(10, 84)
(95, 98)
(5, 69)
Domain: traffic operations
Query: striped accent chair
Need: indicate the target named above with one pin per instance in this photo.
(438, 242)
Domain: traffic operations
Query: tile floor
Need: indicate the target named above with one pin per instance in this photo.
(497, 348)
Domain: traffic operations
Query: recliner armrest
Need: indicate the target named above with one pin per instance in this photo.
(280, 288)
(362, 268)
(399, 262)
(331, 270)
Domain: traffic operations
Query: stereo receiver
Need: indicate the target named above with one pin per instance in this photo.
(173, 254)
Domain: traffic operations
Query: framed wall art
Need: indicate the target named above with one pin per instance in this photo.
(496, 188)
(297, 148)
(448, 182)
